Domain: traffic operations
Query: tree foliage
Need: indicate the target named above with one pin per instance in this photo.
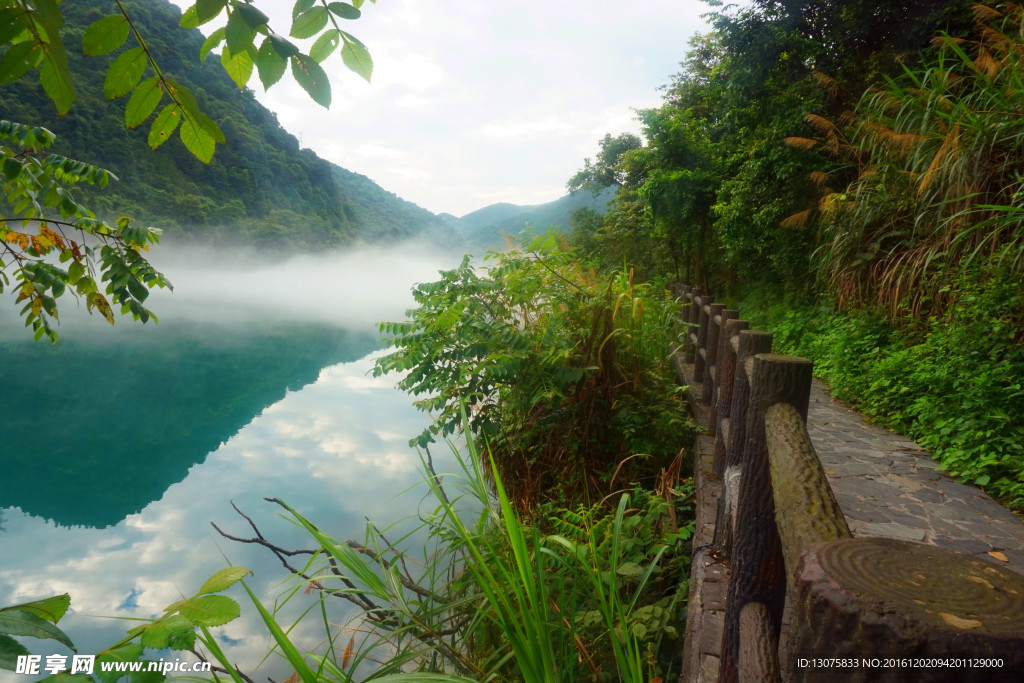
(43, 217)
(32, 28)
(90, 252)
(562, 372)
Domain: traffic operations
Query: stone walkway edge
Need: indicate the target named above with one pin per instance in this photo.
(886, 485)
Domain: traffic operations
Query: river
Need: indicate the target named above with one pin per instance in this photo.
(121, 445)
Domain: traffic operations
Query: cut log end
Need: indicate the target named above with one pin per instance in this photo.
(888, 597)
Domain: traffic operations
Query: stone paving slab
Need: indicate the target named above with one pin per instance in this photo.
(889, 486)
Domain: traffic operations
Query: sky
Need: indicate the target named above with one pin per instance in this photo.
(474, 102)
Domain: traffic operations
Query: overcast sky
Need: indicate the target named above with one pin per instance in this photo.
(481, 101)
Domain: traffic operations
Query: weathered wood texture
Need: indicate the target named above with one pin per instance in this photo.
(693, 319)
(883, 598)
(806, 510)
(759, 656)
(711, 394)
(710, 350)
(727, 375)
(758, 567)
(703, 322)
(749, 344)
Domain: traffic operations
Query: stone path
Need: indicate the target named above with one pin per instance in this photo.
(886, 485)
(889, 486)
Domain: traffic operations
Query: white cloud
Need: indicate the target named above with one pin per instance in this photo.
(518, 130)
(379, 151)
(457, 84)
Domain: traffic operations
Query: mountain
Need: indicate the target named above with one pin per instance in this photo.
(383, 216)
(260, 188)
(486, 228)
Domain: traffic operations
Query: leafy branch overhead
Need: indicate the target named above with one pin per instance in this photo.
(89, 251)
(32, 30)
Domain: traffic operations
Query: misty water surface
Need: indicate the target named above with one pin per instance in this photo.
(121, 445)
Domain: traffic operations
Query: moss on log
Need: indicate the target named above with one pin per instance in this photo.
(806, 510)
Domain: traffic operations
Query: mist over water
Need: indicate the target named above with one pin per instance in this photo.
(354, 289)
(122, 443)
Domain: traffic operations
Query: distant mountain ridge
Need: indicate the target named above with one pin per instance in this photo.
(487, 228)
(261, 189)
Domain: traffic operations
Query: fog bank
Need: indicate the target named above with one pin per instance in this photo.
(353, 289)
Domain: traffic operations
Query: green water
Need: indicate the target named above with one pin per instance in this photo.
(117, 450)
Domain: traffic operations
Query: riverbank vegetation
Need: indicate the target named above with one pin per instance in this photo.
(851, 174)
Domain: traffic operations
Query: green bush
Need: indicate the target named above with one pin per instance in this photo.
(564, 372)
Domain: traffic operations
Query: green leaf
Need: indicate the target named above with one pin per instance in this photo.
(357, 58)
(224, 579)
(142, 102)
(238, 33)
(137, 289)
(21, 623)
(19, 60)
(189, 18)
(50, 13)
(208, 10)
(163, 127)
(51, 609)
(12, 169)
(75, 272)
(208, 124)
(183, 96)
(124, 73)
(310, 22)
(269, 63)
(252, 15)
(344, 10)
(214, 39)
(301, 6)
(165, 633)
(312, 78)
(210, 610)
(105, 35)
(56, 81)
(239, 66)
(197, 140)
(13, 20)
(325, 45)
(10, 650)
(284, 47)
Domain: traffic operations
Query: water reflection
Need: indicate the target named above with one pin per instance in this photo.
(119, 446)
(336, 450)
(87, 443)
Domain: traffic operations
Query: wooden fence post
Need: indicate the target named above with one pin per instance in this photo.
(699, 362)
(758, 568)
(710, 351)
(723, 407)
(721, 341)
(748, 344)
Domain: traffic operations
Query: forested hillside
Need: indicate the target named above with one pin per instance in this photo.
(260, 188)
(860, 163)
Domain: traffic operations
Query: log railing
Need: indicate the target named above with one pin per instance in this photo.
(785, 538)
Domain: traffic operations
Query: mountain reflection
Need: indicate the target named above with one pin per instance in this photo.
(94, 429)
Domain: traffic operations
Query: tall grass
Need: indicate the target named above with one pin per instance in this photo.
(938, 159)
(494, 598)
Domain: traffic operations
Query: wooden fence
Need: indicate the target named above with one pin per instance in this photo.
(862, 608)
